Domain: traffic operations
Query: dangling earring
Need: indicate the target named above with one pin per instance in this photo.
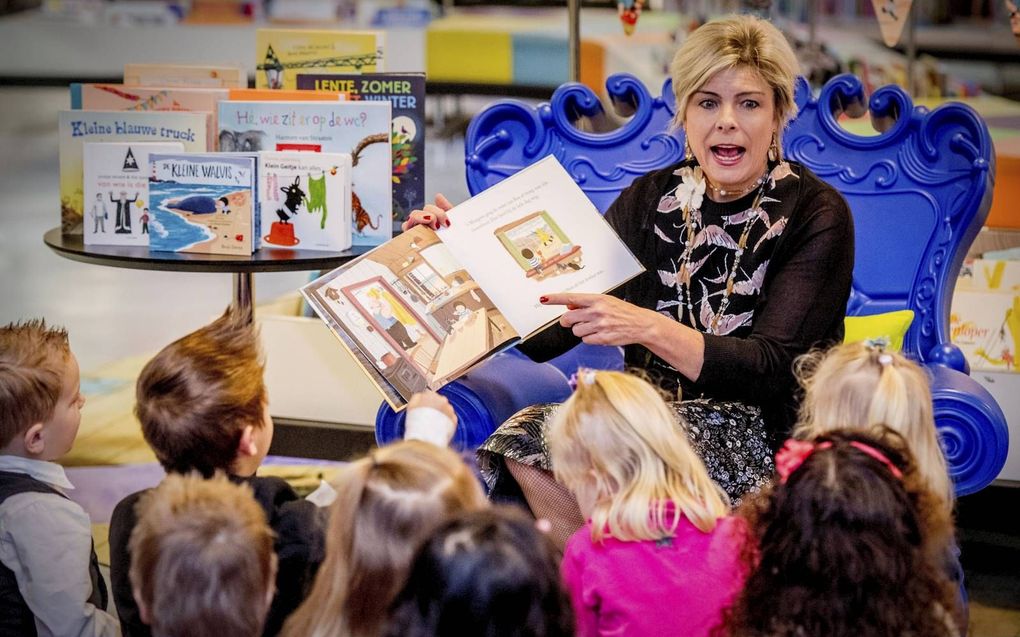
(688, 153)
(774, 155)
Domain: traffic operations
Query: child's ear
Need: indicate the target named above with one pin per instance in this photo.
(35, 442)
(247, 445)
(143, 609)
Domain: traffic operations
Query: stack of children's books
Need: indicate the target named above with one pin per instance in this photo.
(325, 153)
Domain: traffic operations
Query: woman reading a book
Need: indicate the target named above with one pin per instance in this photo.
(748, 263)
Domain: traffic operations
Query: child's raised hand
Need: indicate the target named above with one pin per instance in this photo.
(432, 215)
(431, 418)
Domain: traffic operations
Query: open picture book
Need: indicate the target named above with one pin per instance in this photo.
(423, 308)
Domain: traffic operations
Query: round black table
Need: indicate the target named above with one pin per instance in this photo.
(242, 267)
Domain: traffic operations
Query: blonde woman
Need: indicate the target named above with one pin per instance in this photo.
(387, 505)
(658, 534)
(748, 260)
(862, 386)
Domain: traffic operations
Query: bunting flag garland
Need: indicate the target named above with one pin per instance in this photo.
(892, 16)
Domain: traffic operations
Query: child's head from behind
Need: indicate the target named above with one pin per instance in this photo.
(202, 561)
(386, 505)
(40, 397)
(850, 541)
(202, 400)
(862, 385)
(487, 572)
(617, 445)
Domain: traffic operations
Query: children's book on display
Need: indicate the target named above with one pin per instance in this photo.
(195, 75)
(406, 94)
(116, 183)
(422, 309)
(360, 129)
(78, 127)
(202, 202)
(281, 54)
(305, 200)
(119, 97)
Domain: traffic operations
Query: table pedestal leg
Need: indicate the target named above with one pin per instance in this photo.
(244, 294)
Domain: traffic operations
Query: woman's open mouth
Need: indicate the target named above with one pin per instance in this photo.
(728, 154)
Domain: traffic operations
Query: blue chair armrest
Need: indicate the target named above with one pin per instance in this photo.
(971, 426)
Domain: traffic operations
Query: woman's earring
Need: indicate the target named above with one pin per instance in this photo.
(688, 153)
(774, 149)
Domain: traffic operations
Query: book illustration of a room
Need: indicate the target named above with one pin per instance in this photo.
(539, 246)
(416, 313)
(409, 344)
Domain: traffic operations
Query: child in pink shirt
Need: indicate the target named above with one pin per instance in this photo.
(660, 554)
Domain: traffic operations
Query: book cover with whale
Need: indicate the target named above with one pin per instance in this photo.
(202, 202)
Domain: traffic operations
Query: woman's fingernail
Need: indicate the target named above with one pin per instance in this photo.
(427, 217)
(447, 223)
(543, 299)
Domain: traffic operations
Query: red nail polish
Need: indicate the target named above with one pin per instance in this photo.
(447, 223)
(543, 299)
(427, 217)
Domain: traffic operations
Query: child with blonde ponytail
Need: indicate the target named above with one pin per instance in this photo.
(863, 385)
(659, 535)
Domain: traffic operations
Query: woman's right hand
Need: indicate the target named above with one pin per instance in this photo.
(432, 215)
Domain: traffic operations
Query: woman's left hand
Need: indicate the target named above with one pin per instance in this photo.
(601, 319)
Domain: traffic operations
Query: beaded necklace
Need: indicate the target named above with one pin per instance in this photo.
(692, 218)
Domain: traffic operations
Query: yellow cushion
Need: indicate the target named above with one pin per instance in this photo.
(890, 327)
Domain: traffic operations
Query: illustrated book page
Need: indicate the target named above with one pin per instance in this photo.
(423, 308)
(533, 234)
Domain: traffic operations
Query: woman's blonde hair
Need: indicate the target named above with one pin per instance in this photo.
(618, 431)
(731, 42)
(387, 505)
(861, 386)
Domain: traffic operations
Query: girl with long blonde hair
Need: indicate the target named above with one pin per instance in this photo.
(387, 505)
(658, 528)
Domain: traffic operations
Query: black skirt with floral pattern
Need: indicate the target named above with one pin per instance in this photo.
(730, 437)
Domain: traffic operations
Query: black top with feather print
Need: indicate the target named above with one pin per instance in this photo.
(713, 256)
(800, 304)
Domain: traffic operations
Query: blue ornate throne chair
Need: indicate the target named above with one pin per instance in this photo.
(919, 190)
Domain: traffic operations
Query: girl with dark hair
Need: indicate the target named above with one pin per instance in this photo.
(849, 542)
(488, 572)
